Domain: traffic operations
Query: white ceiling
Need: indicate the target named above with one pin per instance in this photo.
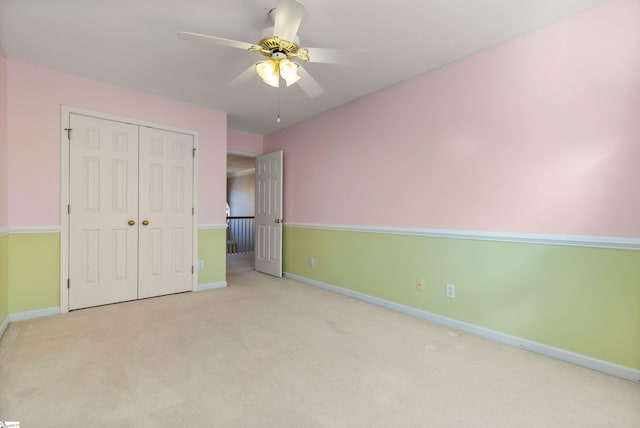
(133, 43)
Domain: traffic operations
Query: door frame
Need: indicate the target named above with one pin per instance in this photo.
(65, 112)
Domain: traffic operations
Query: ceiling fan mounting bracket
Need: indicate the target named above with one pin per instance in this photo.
(272, 14)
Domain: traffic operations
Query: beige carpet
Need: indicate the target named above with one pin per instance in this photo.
(240, 262)
(269, 352)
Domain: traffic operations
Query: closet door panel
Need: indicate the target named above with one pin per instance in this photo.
(166, 201)
(103, 196)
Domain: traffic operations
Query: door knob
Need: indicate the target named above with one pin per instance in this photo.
(278, 220)
(131, 222)
(145, 222)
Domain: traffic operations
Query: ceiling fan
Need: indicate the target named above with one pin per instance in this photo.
(280, 46)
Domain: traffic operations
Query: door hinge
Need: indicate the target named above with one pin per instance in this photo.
(193, 211)
(69, 209)
(68, 133)
(194, 153)
(192, 270)
(68, 283)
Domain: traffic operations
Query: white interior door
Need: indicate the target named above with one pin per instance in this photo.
(166, 212)
(268, 250)
(103, 195)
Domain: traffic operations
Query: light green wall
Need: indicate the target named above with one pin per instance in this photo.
(584, 300)
(34, 271)
(32, 268)
(212, 250)
(4, 278)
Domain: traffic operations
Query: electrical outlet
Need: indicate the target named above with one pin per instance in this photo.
(200, 264)
(311, 262)
(450, 291)
(419, 284)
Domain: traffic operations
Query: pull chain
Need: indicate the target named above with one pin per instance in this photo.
(278, 90)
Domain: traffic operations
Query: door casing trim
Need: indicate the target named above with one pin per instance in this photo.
(65, 112)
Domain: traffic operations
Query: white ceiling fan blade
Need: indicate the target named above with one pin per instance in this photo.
(338, 56)
(308, 84)
(243, 77)
(214, 40)
(289, 15)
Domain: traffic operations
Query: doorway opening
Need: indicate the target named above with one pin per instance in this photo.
(241, 186)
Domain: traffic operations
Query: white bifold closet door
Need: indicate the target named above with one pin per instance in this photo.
(166, 217)
(131, 219)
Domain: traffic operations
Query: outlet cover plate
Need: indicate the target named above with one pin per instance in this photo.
(450, 291)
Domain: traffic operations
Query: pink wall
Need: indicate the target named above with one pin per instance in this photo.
(539, 135)
(34, 99)
(4, 177)
(242, 142)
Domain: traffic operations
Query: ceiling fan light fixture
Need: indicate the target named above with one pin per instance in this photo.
(268, 72)
(280, 46)
(289, 71)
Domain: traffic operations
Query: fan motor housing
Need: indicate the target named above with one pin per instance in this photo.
(272, 45)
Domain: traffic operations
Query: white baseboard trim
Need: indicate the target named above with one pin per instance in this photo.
(539, 348)
(3, 326)
(212, 285)
(39, 313)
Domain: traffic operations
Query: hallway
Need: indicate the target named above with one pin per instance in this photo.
(240, 262)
